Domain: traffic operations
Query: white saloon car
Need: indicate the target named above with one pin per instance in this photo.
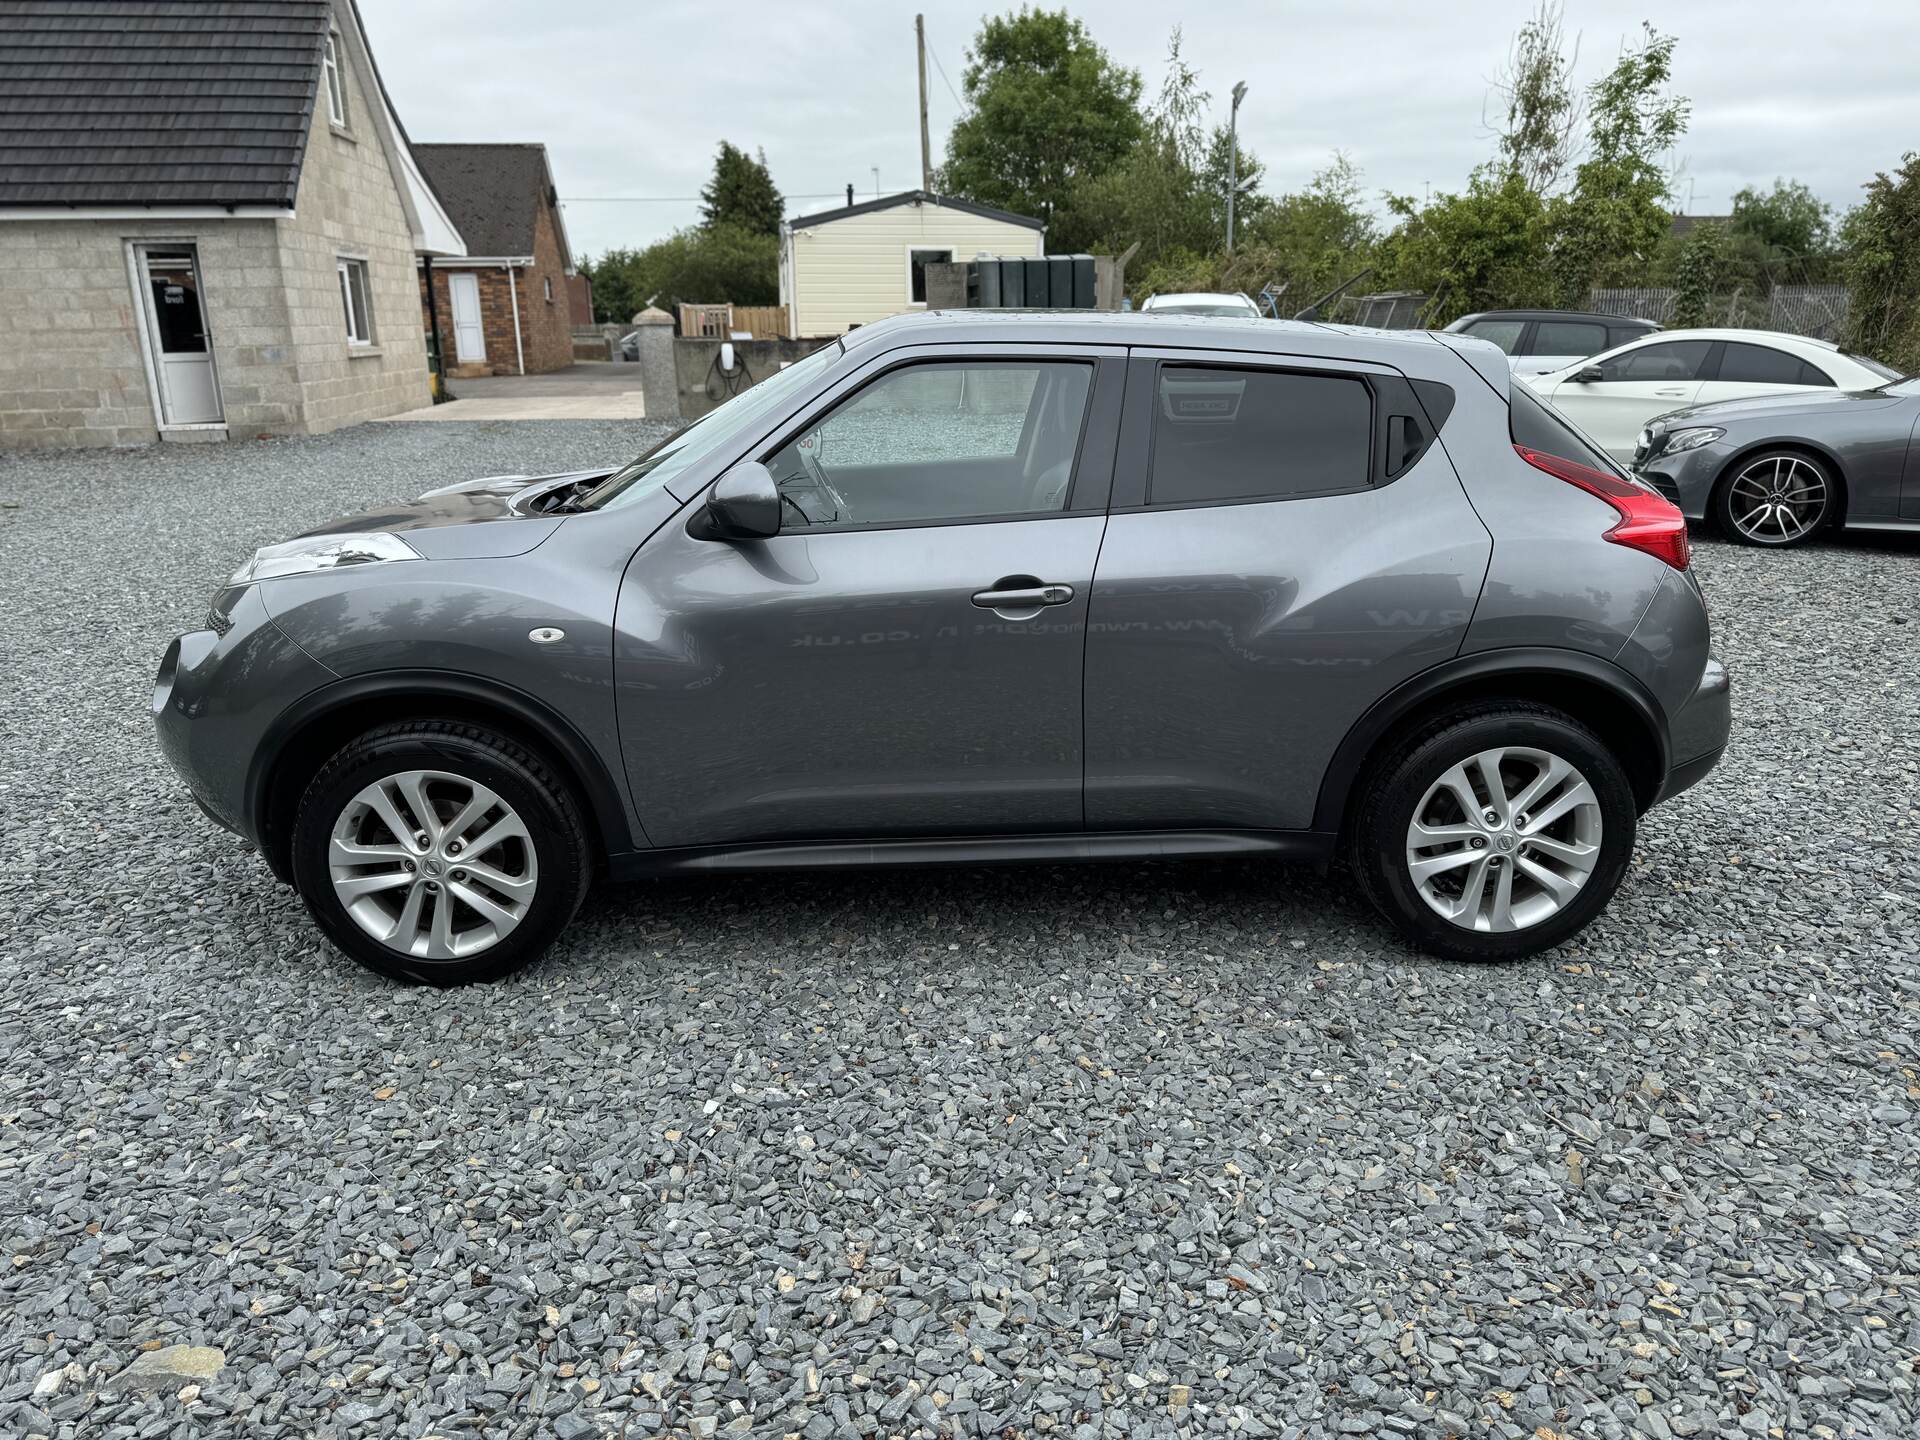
(1203, 302)
(1612, 394)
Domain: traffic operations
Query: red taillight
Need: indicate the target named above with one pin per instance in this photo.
(1648, 521)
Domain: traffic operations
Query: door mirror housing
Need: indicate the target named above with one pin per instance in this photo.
(1587, 374)
(744, 504)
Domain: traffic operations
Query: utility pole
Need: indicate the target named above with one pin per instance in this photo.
(1233, 157)
(926, 148)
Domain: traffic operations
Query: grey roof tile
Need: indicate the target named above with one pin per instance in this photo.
(151, 102)
(492, 193)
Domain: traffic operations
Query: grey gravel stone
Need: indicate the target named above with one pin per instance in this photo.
(1131, 1151)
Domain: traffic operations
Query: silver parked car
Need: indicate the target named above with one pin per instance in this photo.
(1776, 469)
(973, 587)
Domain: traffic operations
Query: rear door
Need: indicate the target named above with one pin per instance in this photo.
(1286, 545)
(1633, 386)
(1746, 368)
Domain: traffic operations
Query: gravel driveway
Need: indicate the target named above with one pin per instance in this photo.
(1146, 1150)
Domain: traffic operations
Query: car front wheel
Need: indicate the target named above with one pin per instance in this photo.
(440, 853)
(1775, 499)
(1495, 833)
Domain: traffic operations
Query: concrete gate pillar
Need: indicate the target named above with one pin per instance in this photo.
(657, 382)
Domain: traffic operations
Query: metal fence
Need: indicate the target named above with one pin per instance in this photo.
(1389, 310)
(1817, 311)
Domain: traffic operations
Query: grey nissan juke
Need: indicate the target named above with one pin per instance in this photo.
(974, 586)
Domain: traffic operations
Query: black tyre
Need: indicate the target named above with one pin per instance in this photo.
(1494, 833)
(440, 853)
(1776, 498)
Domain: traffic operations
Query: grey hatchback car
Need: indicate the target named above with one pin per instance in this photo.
(969, 587)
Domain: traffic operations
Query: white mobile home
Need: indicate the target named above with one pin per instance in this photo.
(862, 263)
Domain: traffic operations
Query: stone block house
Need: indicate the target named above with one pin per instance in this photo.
(208, 224)
(503, 308)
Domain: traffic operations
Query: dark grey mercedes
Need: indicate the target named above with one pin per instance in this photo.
(972, 587)
(1774, 470)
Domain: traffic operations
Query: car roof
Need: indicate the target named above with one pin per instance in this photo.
(1199, 297)
(1781, 338)
(1591, 315)
(1133, 327)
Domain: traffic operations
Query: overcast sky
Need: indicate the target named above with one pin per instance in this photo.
(632, 98)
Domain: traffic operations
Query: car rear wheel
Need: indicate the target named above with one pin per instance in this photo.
(440, 853)
(1776, 498)
(1496, 832)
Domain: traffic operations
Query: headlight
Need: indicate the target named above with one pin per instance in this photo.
(323, 552)
(1693, 439)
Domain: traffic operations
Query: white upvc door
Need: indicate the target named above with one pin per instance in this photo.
(176, 319)
(469, 335)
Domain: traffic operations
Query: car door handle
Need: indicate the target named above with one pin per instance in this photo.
(1674, 390)
(1022, 597)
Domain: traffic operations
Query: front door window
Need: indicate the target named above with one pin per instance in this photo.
(939, 442)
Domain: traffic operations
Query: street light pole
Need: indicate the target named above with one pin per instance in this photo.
(1233, 157)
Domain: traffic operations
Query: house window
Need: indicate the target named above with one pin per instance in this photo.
(547, 280)
(356, 300)
(336, 91)
(917, 262)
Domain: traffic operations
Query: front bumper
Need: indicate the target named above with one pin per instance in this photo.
(215, 695)
(1686, 478)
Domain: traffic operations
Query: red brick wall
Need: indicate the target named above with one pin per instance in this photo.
(546, 329)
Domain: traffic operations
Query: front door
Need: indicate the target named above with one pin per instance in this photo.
(469, 335)
(1634, 385)
(904, 658)
(177, 326)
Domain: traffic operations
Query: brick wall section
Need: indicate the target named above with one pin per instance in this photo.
(546, 329)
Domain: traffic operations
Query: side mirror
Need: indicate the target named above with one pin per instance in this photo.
(1588, 374)
(744, 504)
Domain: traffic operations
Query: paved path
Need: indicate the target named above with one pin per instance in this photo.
(594, 391)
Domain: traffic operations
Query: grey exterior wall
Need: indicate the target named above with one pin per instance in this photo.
(71, 371)
(693, 366)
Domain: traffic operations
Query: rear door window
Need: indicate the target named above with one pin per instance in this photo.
(1504, 333)
(1744, 364)
(1569, 337)
(1224, 434)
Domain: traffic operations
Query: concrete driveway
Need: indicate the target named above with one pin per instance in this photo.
(596, 390)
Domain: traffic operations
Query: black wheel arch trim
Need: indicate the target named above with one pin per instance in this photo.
(1405, 700)
(597, 786)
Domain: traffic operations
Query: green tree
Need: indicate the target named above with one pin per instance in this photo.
(1157, 196)
(1487, 247)
(699, 265)
(1540, 127)
(1609, 228)
(1046, 109)
(741, 193)
(1787, 220)
(1697, 273)
(1882, 239)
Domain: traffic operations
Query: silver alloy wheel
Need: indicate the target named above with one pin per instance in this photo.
(1504, 840)
(432, 864)
(1777, 499)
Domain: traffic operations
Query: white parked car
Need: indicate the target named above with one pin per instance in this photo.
(1203, 302)
(1613, 394)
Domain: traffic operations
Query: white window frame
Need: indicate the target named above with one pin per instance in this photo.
(360, 332)
(336, 84)
(913, 250)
